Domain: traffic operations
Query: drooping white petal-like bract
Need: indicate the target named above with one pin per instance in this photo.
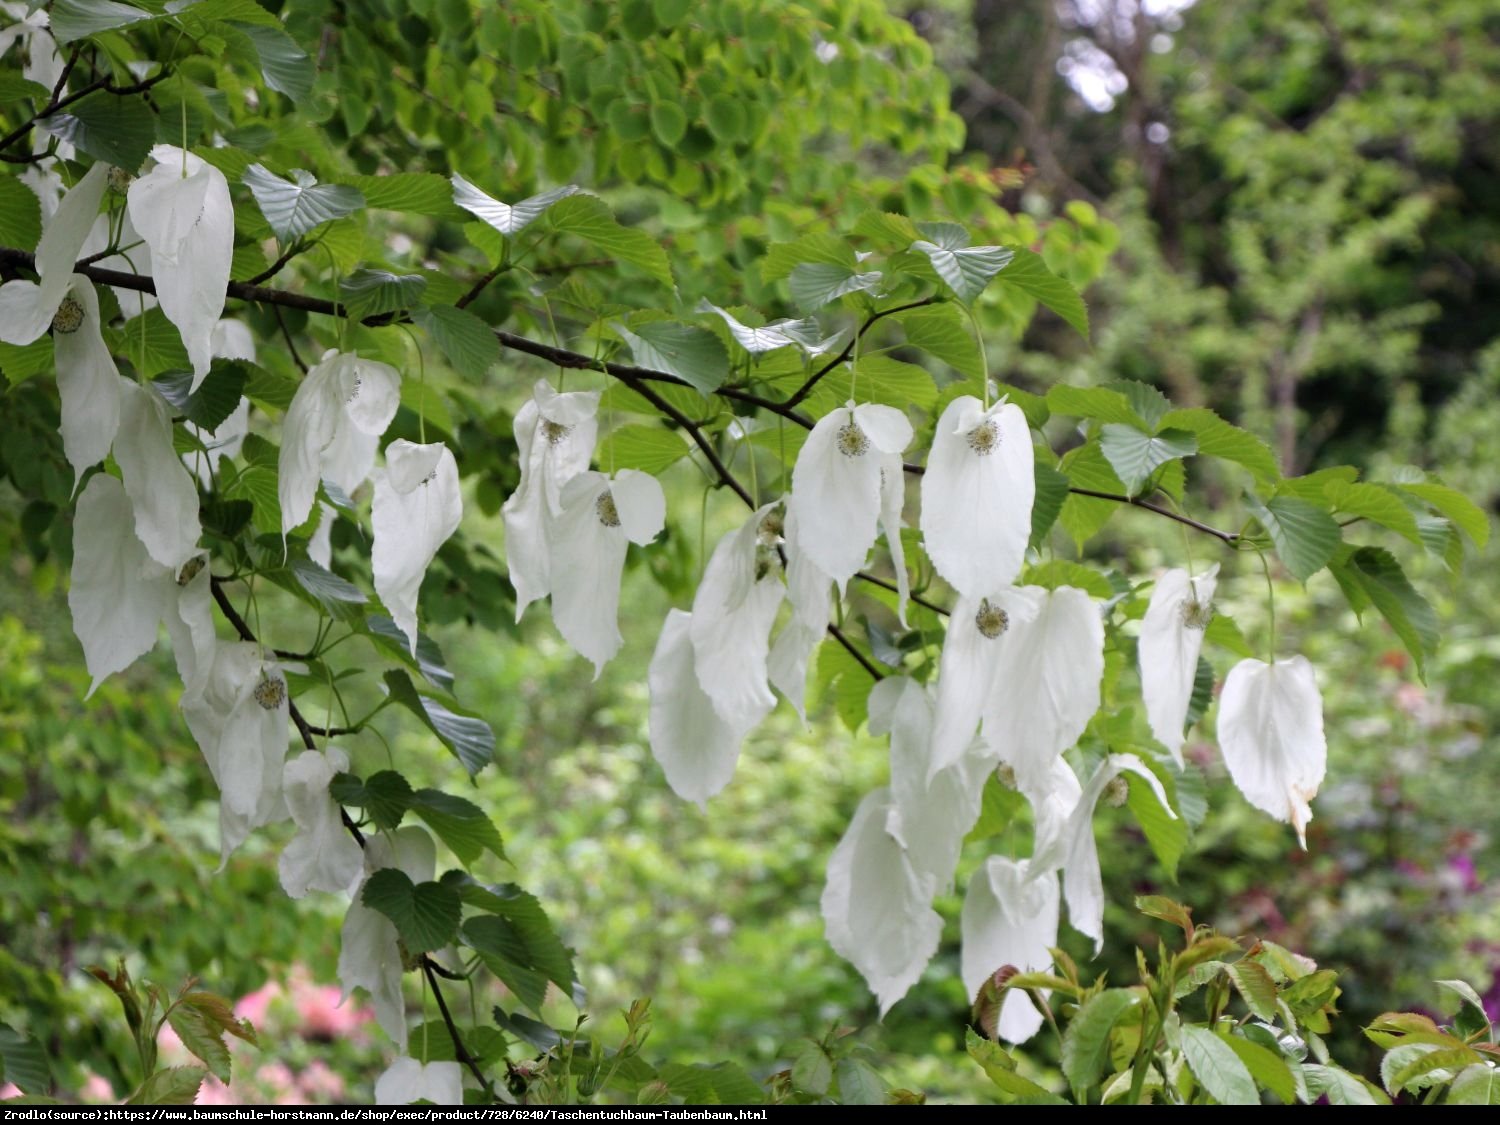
(555, 436)
(417, 506)
(877, 907)
(600, 517)
(183, 211)
(407, 1080)
(977, 495)
(332, 428)
(836, 484)
(1171, 639)
(1271, 734)
(88, 382)
(27, 308)
(1009, 917)
(161, 489)
(322, 856)
(810, 593)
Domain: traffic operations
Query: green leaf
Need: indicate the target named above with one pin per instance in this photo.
(1099, 403)
(385, 796)
(110, 127)
(216, 397)
(1000, 1068)
(1475, 1085)
(460, 824)
(693, 354)
(1428, 1067)
(294, 207)
(1465, 992)
(1223, 631)
(429, 659)
(812, 1069)
(1051, 494)
(1083, 516)
(964, 269)
(1167, 834)
(669, 123)
(724, 1083)
(1267, 1068)
(14, 88)
(518, 944)
(257, 484)
(815, 284)
(1135, 456)
(1218, 438)
(332, 592)
(1149, 404)
(20, 213)
(1256, 988)
(893, 232)
(467, 736)
(589, 218)
(941, 332)
(26, 361)
(1215, 1065)
(74, 19)
(426, 915)
(527, 1030)
(485, 1045)
(369, 292)
(1379, 578)
(1055, 573)
(648, 448)
(820, 248)
(151, 342)
(284, 65)
(1374, 503)
(1085, 1045)
(177, 1085)
(1029, 273)
(860, 1083)
(203, 1037)
(1305, 535)
(1465, 514)
(468, 342)
(411, 193)
(23, 1062)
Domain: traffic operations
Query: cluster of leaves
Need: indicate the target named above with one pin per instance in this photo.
(1223, 1022)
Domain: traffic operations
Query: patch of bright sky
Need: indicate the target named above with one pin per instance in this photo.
(1087, 67)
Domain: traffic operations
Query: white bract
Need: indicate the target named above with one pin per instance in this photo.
(929, 820)
(28, 27)
(183, 211)
(804, 334)
(239, 718)
(370, 949)
(322, 856)
(1171, 639)
(733, 612)
(1009, 917)
(160, 488)
(555, 436)
(506, 218)
(877, 910)
(600, 517)
(977, 495)
(837, 481)
(231, 340)
(27, 308)
(1271, 734)
(695, 747)
(810, 593)
(417, 506)
(332, 429)
(407, 1080)
(88, 382)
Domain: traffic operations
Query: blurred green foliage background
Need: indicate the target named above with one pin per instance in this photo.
(1309, 242)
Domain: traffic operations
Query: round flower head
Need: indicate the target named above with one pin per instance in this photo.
(977, 495)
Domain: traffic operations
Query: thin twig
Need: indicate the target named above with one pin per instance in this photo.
(812, 381)
(1230, 537)
(864, 661)
(275, 267)
(287, 336)
(55, 104)
(460, 1051)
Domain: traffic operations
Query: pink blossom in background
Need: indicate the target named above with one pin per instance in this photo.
(254, 1005)
(96, 1090)
(322, 1017)
(10, 1090)
(282, 1084)
(319, 1081)
(214, 1092)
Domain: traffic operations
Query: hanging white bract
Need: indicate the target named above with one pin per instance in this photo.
(408, 1080)
(1009, 918)
(88, 382)
(1171, 639)
(181, 207)
(160, 488)
(417, 506)
(27, 308)
(322, 856)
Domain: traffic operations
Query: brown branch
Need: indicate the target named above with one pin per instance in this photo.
(812, 381)
(1230, 537)
(864, 661)
(275, 267)
(56, 104)
(460, 1051)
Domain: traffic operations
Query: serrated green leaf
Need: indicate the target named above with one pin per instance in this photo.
(460, 824)
(1083, 516)
(1029, 273)
(893, 232)
(216, 397)
(411, 193)
(519, 945)
(385, 796)
(20, 212)
(202, 1037)
(117, 129)
(429, 659)
(941, 332)
(1475, 1085)
(468, 342)
(285, 66)
(1339, 1086)
(1465, 514)
(294, 207)
(1305, 535)
(812, 1069)
(859, 1083)
(1266, 1067)
(257, 484)
(1135, 456)
(1085, 1045)
(23, 1062)
(468, 737)
(815, 284)
(26, 361)
(1256, 988)
(426, 915)
(151, 342)
(813, 249)
(1374, 503)
(724, 1083)
(1203, 692)
(1051, 493)
(850, 683)
(1223, 631)
(964, 269)
(878, 378)
(74, 19)
(333, 593)
(647, 448)
(1149, 404)
(589, 218)
(370, 292)
(1216, 1066)
(14, 88)
(1000, 1068)
(485, 1045)
(176, 1085)
(1166, 833)
(1218, 438)
(1056, 573)
(693, 354)
(1099, 403)
(1380, 579)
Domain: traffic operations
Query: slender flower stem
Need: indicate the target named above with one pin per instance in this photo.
(816, 377)
(1265, 566)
